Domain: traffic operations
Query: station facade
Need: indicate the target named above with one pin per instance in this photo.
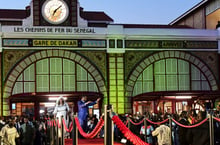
(54, 48)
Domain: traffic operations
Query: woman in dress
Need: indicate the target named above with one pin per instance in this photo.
(61, 109)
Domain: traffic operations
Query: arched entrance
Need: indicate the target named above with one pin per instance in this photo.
(181, 73)
(52, 72)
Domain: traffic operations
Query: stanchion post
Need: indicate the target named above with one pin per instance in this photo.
(52, 132)
(57, 132)
(170, 124)
(108, 137)
(62, 131)
(74, 131)
(145, 129)
(129, 123)
(211, 129)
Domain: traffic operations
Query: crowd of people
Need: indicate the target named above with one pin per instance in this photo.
(26, 131)
(163, 134)
(23, 131)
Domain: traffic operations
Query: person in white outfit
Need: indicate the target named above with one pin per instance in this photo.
(163, 135)
(62, 109)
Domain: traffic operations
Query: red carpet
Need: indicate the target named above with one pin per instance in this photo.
(96, 141)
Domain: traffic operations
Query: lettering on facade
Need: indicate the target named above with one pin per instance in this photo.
(172, 44)
(55, 43)
(65, 30)
(141, 44)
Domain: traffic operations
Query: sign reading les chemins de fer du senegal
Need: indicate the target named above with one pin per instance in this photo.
(65, 30)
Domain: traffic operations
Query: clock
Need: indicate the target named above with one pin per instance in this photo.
(55, 11)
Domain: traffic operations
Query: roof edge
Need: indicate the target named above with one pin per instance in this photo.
(188, 12)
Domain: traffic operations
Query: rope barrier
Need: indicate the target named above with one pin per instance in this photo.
(127, 133)
(126, 123)
(137, 123)
(217, 119)
(54, 122)
(162, 122)
(65, 127)
(94, 132)
(192, 126)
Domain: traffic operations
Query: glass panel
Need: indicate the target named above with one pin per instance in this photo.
(81, 73)
(68, 67)
(159, 67)
(172, 82)
(148, 73)
(29, 87)
(160, 84)
(137, 88)
(42, 83)
(195, 73)
(140, 77)
(184, 82)
(18, 88)
(92, 87)
(69, 83)
(42, 67)
(20, 78)
(29, 73)
(82, 86)
(183, 67)
(205, 86)
(196, 85)
(56, 66)
(55, 83)
(203, 77)
(90, 78)
(148, 86)
(171, 66)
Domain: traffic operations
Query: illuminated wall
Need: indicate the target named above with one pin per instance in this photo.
(116, 82)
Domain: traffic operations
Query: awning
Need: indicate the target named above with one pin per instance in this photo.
(202, 95)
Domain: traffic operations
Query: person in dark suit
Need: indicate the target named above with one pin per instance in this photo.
(83, 106)
(181, 130)
(199, 135)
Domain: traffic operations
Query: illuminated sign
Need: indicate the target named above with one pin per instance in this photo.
(141, 44)
(54, 43)
(15, 42)
(94, 43)
(172, 44)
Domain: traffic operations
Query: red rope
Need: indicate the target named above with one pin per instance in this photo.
(192, 126)
(70, 128)
(217, 119)
(95, 130)
(137, 123)
(162, 122)
(126, 123)
(54, 122)
(127, 133)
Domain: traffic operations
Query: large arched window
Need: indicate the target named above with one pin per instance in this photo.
(54, 75)
(170, 75)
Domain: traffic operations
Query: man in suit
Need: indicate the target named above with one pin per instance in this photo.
(83, 106)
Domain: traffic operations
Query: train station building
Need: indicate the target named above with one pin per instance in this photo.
(55, 48)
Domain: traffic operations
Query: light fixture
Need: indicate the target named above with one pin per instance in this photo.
(55, 98)
(51, 104)
(42, 111)
(183, 97)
